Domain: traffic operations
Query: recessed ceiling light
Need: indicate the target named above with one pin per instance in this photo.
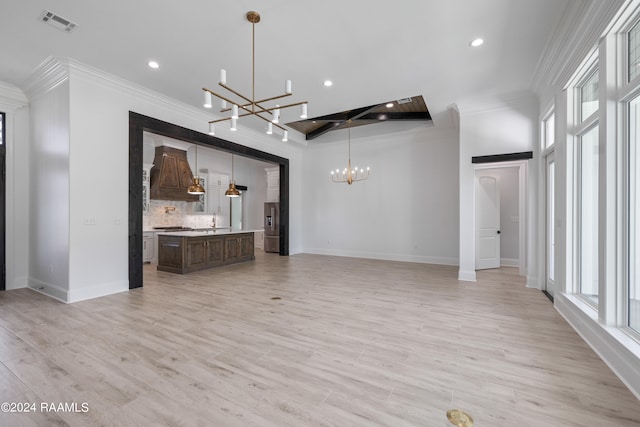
(389, 105)
(153, 64)
(476, 42)
(328, 83)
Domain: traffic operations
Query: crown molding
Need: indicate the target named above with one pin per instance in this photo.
(11, 97)
(54, 71)
(95, 75)
(50, 74)
(581, 25)
(507, 101)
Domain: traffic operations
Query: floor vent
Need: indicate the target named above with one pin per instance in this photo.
(404, 101)
(57, 21)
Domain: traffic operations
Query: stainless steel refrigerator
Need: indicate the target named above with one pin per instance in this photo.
(272, 227)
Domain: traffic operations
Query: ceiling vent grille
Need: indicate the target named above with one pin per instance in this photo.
(404, 101)
(57, 21)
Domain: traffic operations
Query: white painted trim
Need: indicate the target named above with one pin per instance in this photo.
(50, 74)
(383, 256)
(619, 351)
(53, 71)
(532, 282)
(522, 211)
(100, 290)
(509, 262)
(502, 102)
(11, 98)
(466, 276)
(49, 289)
(582, 24)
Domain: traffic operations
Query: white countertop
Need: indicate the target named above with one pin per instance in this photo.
(217, 232)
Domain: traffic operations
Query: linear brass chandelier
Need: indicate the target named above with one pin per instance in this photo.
(349, 175)
(251, 106)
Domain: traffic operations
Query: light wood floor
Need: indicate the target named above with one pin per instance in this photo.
(347, 342)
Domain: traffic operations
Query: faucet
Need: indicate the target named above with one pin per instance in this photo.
(213, 221)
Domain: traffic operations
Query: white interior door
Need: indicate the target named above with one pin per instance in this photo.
(487, 221)
(551, 239)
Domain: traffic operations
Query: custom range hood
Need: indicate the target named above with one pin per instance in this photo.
(171, 175)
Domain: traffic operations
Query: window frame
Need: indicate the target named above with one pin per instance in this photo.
(578, 217)
(628, 91)
(545, 146)
(577, 128)
(3, 129)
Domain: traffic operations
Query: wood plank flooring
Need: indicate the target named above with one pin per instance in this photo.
(306, 340)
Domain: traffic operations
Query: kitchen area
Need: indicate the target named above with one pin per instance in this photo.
(185, 232)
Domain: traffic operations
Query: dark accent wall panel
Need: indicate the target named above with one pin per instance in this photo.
(3, 201)
(525, 155)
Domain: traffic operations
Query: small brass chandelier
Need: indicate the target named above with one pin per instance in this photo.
(349, 175)
(251, 106)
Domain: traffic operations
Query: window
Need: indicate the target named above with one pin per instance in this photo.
(587, 214)
(589, 96)
(586, 187)
(549, 124)
(633, 216)
(633, 42)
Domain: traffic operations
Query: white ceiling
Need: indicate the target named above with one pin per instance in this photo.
(373, 51)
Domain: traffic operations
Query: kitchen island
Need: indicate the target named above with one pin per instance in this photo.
(187, 251)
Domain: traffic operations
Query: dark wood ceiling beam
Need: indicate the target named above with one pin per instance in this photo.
(322, 130)
(344, 115)
(415, 115)
(335, 120)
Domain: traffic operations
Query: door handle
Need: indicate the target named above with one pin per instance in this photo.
(498, 231)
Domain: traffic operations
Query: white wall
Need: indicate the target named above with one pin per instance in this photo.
(509, 126)
(251, 174)
(49, 190)
(13, 103)
(404, 211)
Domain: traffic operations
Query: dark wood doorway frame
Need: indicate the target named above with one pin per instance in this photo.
(139, 124)
(3, 201)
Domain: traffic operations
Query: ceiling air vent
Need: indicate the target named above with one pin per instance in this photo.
(57, 21)
(403, 101)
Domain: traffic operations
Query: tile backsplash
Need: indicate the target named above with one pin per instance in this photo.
(160, 216)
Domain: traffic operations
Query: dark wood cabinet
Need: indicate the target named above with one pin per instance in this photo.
(239, 247)
(184, 254)
(245, 247)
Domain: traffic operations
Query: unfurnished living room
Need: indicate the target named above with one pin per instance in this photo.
(331, 214)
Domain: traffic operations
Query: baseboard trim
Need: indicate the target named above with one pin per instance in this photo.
(467, 275)
(100, 290)
(48, 289)
(384, 256)
(509, 262)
